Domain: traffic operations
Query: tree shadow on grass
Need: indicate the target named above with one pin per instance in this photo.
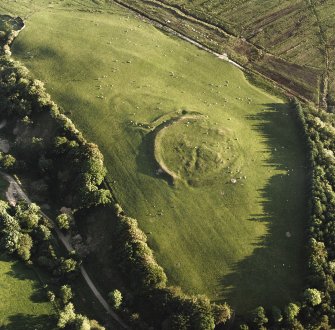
(146, 161)
(274, 273)
(26, 322)
(22, 272)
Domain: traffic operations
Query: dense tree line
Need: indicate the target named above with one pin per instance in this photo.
(48, 142)
(320, 134)
(46, 145)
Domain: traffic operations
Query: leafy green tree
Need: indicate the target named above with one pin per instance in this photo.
(66, 294)
(44, 164)
(64, 221)
(98, 197)
(25, 244)
(43, 233)
(291, 311)
(118, 209)
(201, 315)
(46, 262)
(81, 323)
(51, 296)
(28, 215)
(66, 316)
(115, 299)
(178, 322)
(66, 266)
(222, 313)
(312, 297)
(96, 326)
(258, 317)
(8, 162)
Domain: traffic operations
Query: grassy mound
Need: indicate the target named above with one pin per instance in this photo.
(212, 236)
(199, 152)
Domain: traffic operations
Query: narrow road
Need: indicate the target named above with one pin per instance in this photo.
(16, 192)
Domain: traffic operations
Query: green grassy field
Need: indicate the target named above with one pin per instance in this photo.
(23, 304)
(114, 75)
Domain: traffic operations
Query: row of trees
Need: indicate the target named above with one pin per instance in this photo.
(48, 141)
(48, 146)
(320, 134)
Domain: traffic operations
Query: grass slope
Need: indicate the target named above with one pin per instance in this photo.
(23, 304)
(115, 75)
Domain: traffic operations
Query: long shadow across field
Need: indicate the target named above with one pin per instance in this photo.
(22, 272)
(274, 273)
(146, 161)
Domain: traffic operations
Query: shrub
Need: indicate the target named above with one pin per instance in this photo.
(25, 244)
(115, 299)
(8, 162)
(312, 297)
(258, 317)
(51, 296)
(66, 316)
(292, 311)
(63, 221)
(66, 294)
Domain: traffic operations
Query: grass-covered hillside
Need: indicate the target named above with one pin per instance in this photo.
(231, 223)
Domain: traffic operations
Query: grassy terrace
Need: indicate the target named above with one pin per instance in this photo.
(116, 76)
